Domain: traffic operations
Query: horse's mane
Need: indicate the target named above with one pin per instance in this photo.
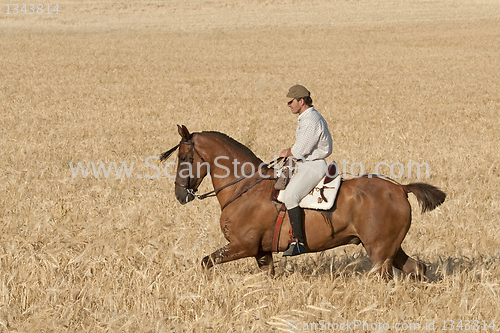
(234, 144)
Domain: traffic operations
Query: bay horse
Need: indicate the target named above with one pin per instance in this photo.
(372, 211)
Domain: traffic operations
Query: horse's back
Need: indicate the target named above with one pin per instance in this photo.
(364, 206)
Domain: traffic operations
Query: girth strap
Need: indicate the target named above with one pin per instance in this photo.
(277, 228)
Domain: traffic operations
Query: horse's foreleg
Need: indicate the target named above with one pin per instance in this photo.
(226, 253)
(265, 262)
(215, 258)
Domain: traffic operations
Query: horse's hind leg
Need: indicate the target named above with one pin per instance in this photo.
(409, 265)
(383, 268)
(381, 258)
(265, 262)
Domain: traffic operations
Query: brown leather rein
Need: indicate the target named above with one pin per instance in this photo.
(212, 193)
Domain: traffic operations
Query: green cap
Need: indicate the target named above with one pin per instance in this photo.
(297, 91)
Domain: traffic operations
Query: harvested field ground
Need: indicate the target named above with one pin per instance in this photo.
(397, 81)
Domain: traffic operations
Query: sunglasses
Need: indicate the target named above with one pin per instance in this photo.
(298, 99)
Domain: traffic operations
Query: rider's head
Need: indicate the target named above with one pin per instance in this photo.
(299, 99)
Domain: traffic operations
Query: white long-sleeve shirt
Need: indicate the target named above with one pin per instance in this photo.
(313, 140)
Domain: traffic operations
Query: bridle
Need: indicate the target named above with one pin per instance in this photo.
(192, 191)
(189, 190)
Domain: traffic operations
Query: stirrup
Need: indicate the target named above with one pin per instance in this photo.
(294, 249)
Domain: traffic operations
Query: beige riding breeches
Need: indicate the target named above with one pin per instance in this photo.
(307, 175)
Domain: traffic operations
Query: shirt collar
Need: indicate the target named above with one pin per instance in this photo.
(303, 114)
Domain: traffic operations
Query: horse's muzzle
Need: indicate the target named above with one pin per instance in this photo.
(184, 196)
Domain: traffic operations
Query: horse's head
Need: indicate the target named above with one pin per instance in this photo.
(191, 167)
(198, 156)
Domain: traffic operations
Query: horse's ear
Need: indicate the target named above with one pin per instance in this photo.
(184, 132)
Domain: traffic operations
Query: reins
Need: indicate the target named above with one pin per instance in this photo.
(211, 193)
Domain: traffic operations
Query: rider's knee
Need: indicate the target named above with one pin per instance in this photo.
(291, 200)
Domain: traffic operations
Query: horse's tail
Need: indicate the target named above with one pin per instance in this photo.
(428, 196)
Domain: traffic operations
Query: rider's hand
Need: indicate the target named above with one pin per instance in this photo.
(286, 152)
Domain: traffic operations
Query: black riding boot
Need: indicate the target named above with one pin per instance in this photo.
(296, 248)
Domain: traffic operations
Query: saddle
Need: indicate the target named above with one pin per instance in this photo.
(321, 197)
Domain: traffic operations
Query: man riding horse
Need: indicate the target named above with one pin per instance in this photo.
(313, 144)
(372, 211)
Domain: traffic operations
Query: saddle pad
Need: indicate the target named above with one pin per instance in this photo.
(314, 200)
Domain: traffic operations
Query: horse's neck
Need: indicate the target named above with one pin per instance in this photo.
(227, 163)
(228, 167)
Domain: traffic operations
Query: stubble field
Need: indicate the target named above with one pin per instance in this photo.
(398, 82)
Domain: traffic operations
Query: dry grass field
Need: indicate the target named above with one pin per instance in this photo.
(398, 81)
